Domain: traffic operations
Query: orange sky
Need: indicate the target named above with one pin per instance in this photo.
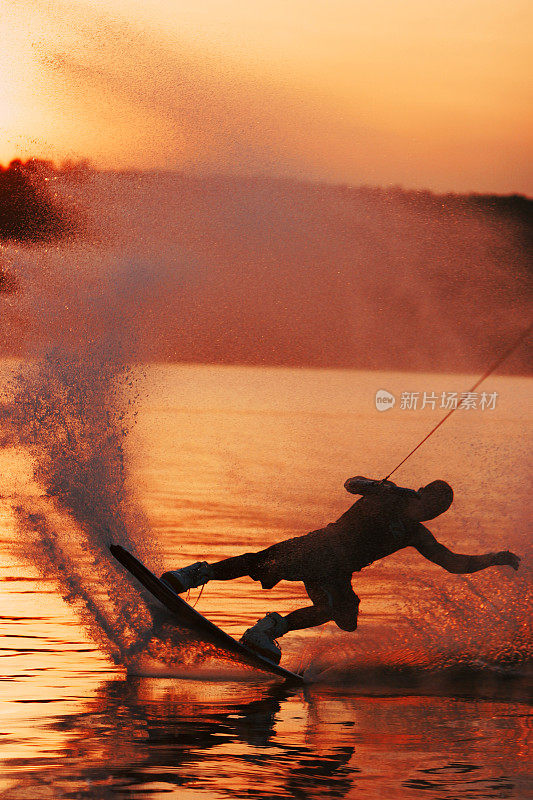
(383, 92)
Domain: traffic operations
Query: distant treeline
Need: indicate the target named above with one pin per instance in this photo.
(29, 211)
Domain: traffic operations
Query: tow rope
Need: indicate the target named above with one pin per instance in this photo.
(494, 366)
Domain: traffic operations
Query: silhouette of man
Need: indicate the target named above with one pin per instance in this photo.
(385, 519)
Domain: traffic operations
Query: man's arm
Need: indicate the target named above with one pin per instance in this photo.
(434, 551)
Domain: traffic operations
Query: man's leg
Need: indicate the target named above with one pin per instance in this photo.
(263, 636)
(331, 601)
(308, 617)
(334, 600)
(231, 568)
(201, 572)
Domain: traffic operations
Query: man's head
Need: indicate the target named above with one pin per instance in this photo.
(431, 501)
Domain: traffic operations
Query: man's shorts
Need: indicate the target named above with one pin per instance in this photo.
(339, 597)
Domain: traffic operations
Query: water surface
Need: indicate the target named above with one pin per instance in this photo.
(429, 698)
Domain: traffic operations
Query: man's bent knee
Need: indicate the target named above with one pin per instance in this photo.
(323, 613)
(337, 601)
(346, 623)
(345, 616)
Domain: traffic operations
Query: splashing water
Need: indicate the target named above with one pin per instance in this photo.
(72, 416)
(444, 630)
(65, 412)
(68, 413)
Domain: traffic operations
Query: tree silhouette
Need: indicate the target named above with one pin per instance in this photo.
(27, 213)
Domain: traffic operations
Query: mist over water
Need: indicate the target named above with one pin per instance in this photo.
(259, 271)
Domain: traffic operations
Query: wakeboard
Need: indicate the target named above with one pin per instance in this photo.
(187, 617)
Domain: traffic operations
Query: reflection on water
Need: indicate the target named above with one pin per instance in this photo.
(140, 737)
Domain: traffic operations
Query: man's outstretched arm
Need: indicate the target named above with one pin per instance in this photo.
(434, 551)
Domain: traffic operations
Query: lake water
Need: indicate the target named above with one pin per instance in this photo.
(429, 698)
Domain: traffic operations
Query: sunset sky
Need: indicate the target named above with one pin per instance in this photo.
(381, 92)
